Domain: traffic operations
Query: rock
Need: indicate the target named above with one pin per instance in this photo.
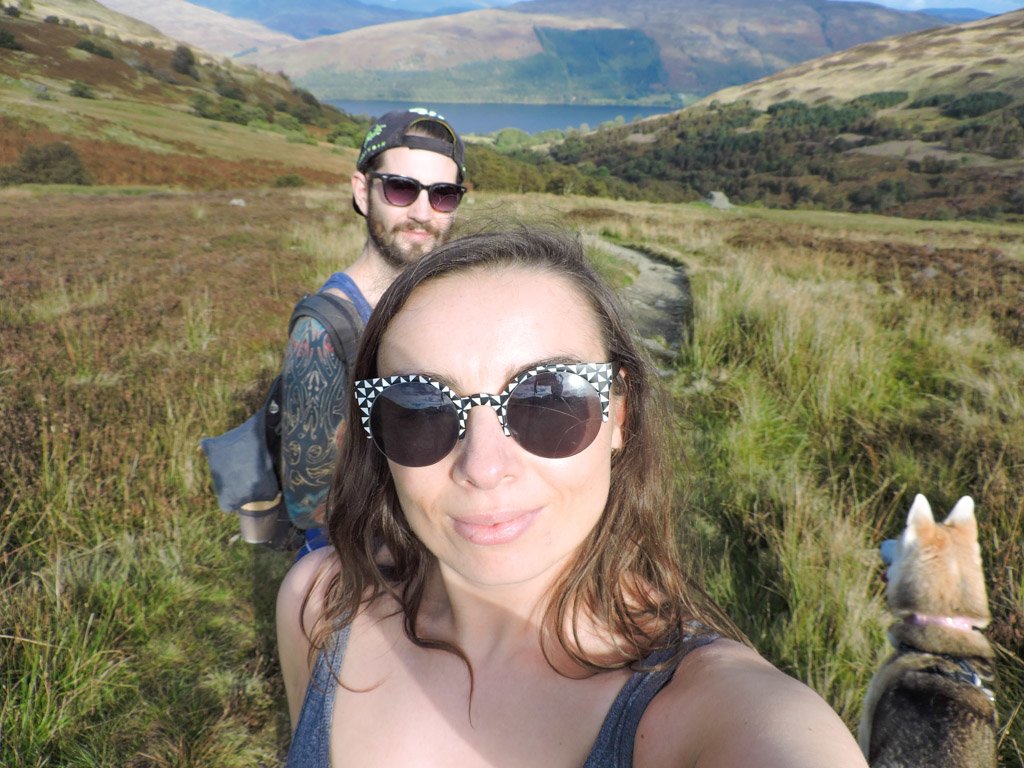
(718, 200)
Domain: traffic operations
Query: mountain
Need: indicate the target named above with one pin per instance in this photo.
(927, 125)
(196, 25)
(980, 55)
(438, 7)
(597, 51)
(957, 15)
(311, 18)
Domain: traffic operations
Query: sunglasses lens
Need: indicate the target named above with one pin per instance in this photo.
(445, 198)
(401, 191)
(414, 424)
(554, 414)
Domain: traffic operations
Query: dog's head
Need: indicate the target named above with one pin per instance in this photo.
(935, 568)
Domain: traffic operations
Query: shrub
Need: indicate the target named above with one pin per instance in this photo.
(345, 134)
(935, 100)
(203, 106)
(289, 180)
(881, 99)
(12, 11)
(8, 41)
(184, 62)
(81, 90)
(306, 97)
(97, 50)
(230, 90)
(976, 104)
(55, 163)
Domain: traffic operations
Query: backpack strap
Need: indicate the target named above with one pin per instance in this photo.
(338, 317)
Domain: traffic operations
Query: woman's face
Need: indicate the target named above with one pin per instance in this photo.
(493, 513)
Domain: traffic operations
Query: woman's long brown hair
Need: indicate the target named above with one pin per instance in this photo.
(626, 578)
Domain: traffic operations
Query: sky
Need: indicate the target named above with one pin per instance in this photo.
(989, 6)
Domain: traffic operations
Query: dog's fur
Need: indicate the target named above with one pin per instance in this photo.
(929, 704)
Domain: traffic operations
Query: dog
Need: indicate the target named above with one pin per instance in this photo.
(929, 705)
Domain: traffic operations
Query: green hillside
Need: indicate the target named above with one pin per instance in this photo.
(947, 145)
(135, 112)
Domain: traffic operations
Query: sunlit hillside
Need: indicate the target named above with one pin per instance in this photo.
(977, 56)
(151, 111)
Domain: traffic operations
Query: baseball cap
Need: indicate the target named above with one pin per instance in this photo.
(392, 129)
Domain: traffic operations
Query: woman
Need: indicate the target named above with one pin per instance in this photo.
(503, 587)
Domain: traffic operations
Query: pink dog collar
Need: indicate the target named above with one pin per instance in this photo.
(962, 623)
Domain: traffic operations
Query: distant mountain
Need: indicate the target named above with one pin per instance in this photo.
(596, 51)
(193, 24)
(311, 18)
(439, 7)
(957, 15)
(977, 56)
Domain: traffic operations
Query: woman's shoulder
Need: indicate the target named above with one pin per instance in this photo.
(727, 706)
(300, 606)
(306, 582)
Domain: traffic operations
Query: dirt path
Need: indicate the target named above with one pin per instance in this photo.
(659, 298)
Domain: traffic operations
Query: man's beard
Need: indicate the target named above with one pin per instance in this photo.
(394, 252)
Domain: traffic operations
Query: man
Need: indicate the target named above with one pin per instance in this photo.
(407, 185)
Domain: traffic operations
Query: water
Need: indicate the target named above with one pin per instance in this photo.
(532, 118)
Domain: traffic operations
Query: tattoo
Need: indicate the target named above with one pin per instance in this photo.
(313, 407)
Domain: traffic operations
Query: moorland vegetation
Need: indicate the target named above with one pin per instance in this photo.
(945, 156)
(840, 363)
(136, 112)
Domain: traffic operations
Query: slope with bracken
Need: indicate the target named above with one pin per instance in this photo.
(981, 55)
(138, 108)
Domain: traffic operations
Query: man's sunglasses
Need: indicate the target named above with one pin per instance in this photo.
(553, 411)
(401, 191)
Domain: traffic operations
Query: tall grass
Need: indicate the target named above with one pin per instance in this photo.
(812, 405)
(814, 401)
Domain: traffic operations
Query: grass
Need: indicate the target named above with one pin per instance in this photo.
(823, 388)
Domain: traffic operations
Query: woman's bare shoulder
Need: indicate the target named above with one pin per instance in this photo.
(300, 605)
(308, 577)
(727, 706)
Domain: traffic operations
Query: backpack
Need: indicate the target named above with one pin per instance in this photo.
(244, 461)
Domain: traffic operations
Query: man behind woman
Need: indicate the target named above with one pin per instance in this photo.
(503, 586)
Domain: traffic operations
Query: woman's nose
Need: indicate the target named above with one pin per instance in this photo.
(485, 455)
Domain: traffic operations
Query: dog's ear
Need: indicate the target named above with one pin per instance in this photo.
(963, 514)
(919, 519)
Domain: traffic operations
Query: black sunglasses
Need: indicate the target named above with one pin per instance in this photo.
(402, 191)
(553, 411)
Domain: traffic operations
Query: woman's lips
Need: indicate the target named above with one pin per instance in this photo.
(490, 530)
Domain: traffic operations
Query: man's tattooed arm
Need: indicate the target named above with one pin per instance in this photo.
(313, 406)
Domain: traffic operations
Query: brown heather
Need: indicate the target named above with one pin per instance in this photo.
(840, 364)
